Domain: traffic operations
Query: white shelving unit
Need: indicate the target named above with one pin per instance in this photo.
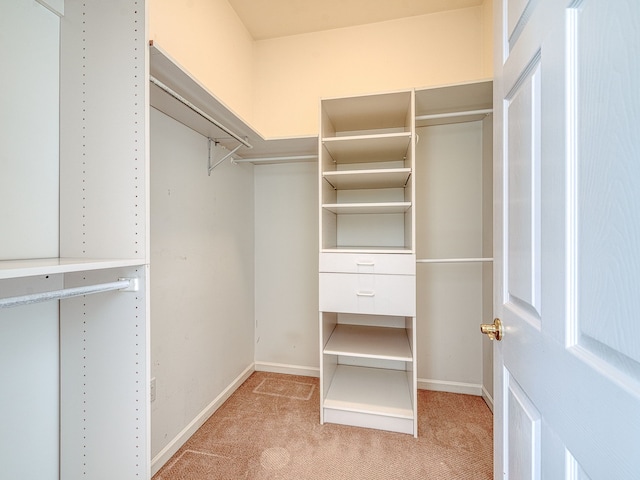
(84, 359)
(367, 262)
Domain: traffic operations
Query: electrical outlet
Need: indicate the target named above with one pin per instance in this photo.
(152, 389)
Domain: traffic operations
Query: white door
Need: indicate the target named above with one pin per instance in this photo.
(567, 239)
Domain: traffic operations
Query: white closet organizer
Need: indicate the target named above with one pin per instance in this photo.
(367, 262)
(75, 370)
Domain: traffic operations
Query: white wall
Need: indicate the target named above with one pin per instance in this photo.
(287, 268)
(29, 213)
(29, 126)
(202, 277)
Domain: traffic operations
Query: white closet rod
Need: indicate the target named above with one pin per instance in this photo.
(130, 284)
(454, 260)
(204, 115)
(286, 159)
(434, 116)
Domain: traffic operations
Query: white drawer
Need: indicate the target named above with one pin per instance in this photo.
(368, 294)
(387, 263)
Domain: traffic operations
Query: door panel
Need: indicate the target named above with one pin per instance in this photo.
(522, 133)
(607, 280)
(523, 433)
(567, 230)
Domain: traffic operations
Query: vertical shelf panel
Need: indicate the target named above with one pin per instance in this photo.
(103, 117)
(104, 394)
(104, 214)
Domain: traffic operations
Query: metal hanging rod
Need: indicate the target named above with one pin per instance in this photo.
(434, 116)
(454, 260)
(204, 115)
(284, 159)
(128, 284)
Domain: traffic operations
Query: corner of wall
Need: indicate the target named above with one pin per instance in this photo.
(487, 38)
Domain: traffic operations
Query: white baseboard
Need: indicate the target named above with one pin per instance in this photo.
(174, 445)
(451, 387)
(488, 398)
(287, 369)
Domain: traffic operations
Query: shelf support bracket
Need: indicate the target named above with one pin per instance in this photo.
(211, 167)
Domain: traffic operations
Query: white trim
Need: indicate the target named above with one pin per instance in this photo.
(451, 387)
(287, 369)
(174, 445)
(488, 398)
(55, 6)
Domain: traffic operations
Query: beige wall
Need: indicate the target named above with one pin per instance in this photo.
(275, 84)
(487, 38)
(207, 39)
(292, 73)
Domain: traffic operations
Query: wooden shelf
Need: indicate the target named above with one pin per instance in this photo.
(52, 266)
(361, 179)
(369, 208)
(369, 342)
(375, 391)
(383, 147)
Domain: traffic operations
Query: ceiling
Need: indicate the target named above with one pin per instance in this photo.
(266, 19)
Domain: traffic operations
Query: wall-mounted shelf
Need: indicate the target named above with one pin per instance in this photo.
(459, 103)
(165, 69)
(52, 266)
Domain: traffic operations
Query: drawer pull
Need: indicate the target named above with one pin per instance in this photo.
(366, 264)
(366, 294)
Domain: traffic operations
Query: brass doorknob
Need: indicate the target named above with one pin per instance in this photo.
(494, 330)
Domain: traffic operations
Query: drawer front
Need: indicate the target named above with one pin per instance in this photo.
(368, 294)
(384, 263)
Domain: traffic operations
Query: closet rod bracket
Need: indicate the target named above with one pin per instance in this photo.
(134, 284)
(228, 155)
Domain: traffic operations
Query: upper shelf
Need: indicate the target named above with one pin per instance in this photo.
(466, 102)
(52, 266)
(366, 112)
(163, 68)
(384, 147)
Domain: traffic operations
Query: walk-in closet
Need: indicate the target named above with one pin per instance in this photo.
(167, 231)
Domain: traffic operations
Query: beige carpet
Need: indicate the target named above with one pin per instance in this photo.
(269, 429)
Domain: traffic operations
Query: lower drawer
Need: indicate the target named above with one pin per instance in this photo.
(368, 294)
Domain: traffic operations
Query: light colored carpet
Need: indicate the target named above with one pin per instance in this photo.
(269, 429)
